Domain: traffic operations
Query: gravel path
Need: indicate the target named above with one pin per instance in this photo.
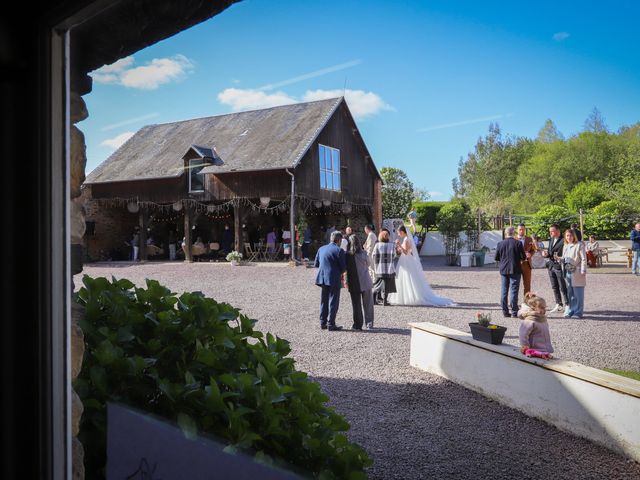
(417, 425)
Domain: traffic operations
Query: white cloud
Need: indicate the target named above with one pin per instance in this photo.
(362, 104)
(434, 194)
(116, 142)
(111, 73)
(249, 99)
(145, 77)
(560, 36)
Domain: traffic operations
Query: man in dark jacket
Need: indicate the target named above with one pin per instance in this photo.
(510, 254)
(332, 263)
(556, 276)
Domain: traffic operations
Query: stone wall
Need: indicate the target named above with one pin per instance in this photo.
(77, 226)
(112, 226)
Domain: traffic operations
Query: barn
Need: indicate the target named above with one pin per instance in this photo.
(252, 172)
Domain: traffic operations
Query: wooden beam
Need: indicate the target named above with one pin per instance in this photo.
(238, 244)
(142, 222)
(187, 234)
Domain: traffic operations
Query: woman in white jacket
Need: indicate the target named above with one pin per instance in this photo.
(574, 262)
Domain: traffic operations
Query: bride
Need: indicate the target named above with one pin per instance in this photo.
(411, 285)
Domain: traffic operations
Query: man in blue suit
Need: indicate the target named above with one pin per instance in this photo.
(510, 254)
(332, 263)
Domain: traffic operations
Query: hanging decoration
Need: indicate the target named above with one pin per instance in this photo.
(264, 201)
(174, 210)
(133, 207)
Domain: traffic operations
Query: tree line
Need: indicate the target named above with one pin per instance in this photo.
(552, 178)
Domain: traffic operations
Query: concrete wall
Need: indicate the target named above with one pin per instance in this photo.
(434, 242)
(587, 402)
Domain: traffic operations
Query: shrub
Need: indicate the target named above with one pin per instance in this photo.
(453, 218)
(234, 256)
(201, 364)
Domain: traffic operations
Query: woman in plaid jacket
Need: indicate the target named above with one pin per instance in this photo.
(384, 254)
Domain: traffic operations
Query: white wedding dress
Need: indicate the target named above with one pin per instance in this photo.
(412, 287)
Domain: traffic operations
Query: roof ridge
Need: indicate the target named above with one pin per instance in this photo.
(242, 111)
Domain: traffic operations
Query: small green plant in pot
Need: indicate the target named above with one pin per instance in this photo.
(484, 331)
(234, 257)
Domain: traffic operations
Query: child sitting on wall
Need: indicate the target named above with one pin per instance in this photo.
(535, 339)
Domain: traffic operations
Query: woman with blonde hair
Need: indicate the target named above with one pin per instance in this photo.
(574, 265)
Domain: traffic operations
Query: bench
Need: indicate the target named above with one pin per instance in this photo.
(600, 406)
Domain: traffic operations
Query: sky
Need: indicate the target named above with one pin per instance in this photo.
(424, 79)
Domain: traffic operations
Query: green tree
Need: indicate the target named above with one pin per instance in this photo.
(610, 220)
(595, 122)
(420, 195)
(486, 179)
(549, 133)
(397, 193)
(585, 196)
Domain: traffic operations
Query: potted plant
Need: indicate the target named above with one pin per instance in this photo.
(484, 331)
(234, 257)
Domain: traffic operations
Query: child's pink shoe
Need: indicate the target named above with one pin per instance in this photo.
(530, 352)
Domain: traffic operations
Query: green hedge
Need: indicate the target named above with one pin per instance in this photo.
(428, 213)
(202, 365)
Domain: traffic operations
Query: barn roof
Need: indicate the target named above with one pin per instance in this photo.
(272, 138)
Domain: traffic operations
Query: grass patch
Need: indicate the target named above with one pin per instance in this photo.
(624, 373)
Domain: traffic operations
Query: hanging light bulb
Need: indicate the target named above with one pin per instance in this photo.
(133, 207)
(264, 201)
(177, 206)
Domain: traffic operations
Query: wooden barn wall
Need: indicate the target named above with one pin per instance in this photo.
(275, 184)
(164, 190)
(357, 176)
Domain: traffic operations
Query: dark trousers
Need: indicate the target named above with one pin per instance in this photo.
(559, 286)
(329, 303)
(305, 250)
(510, 282)
(379, 291)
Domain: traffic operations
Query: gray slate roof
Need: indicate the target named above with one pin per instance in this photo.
(273, 138)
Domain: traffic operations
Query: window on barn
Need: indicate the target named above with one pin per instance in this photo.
(196, 179)
(329, 168)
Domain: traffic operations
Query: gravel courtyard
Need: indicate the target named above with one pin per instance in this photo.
(416, 425)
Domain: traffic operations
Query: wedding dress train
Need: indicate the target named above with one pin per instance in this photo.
(411, 285)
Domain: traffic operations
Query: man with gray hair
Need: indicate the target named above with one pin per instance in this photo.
(331, 263)
(509, 255)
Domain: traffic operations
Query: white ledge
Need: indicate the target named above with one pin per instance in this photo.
(600, 406)
(602, 378)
